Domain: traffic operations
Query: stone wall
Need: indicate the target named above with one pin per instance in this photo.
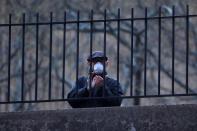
(147, 118)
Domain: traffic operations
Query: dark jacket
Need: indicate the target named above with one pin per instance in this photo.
(112, 88)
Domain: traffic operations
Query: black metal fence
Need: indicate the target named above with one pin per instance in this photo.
(91, 21)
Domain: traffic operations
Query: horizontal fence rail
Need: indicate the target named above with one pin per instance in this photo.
(99, 20)
(65, 23)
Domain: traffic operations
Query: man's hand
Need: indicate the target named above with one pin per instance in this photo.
(97, 81)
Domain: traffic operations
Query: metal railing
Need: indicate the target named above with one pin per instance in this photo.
(91, 21)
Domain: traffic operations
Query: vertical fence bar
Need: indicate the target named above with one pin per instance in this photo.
(50, 54)
(187, 48)
(105, 17)
(145, 51)
(118, 45)
(173, 46)
(37, 39)
(131, 68)
(64, 53)
(159, 51)
(23, 58)
(9, 56)
(91, 41)
(77, 60)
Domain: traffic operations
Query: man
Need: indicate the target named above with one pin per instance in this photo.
(96, 86)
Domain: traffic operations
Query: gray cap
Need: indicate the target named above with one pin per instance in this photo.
(97, 55)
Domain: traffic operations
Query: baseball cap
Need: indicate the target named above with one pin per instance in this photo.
(97, 56)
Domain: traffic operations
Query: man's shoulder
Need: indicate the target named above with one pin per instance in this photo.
(114, 84)
(82, 79)
(111, 80)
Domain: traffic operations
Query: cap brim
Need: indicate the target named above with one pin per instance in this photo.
(97, 59)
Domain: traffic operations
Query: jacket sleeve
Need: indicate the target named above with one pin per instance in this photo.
(111, 89)
(81, 86)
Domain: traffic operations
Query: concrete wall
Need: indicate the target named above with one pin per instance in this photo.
(152, 118)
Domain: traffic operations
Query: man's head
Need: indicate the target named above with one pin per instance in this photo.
(97, 60)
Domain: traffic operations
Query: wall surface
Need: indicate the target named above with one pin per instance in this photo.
(149, 118)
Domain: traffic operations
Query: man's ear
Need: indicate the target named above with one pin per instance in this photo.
(107, 63)
(89, 63)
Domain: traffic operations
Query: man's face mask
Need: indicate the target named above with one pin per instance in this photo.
(98, 68)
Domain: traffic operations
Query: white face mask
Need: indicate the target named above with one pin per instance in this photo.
(98, 68)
